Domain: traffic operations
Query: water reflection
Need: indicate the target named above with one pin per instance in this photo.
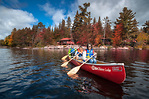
(126, 56)
(90, 83)
(38, 74)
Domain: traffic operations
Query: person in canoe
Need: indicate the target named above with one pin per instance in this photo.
(79, 53)
(71, 51)
(88, 53)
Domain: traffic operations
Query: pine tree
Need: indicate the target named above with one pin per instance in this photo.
(100, 27)
(81, 22)
(126, 18)
(94, 21)
(134, 31)
(146, 27)
(69, 22)
(69, 28)
(84, 16)
(107, 28)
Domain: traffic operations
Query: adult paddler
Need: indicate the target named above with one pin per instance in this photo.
(88, 53)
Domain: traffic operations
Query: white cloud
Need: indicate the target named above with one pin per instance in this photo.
(112, 8)
(100, 8)
(73, 10)
(56, 14)
(12, 18)
(103, 8)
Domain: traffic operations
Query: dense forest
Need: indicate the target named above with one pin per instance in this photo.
(84, 30)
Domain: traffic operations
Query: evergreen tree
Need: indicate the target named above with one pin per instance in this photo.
(126, 18)
(68, 22)
(107, 28)
(146, 27)
(94, 21)
(84, 16)
(81, 22)
(76, 23)
(134, 30)
(69, 32)
(100, 27)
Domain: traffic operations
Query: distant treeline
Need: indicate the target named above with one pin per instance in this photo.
(84, 30)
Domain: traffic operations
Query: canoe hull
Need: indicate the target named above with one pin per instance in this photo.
(114, 72)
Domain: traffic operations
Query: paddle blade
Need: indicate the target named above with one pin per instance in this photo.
(73, 71)
(63, 58)
(64, 64)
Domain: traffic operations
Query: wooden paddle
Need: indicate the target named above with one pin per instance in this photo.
(63, 58)
(65, 64)
(76, 69)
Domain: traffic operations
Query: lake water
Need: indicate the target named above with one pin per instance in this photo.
(30, 74)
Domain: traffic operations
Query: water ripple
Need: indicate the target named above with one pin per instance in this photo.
(38, 74)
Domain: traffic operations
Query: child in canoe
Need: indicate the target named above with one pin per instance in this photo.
(79, 53)
(72, 51)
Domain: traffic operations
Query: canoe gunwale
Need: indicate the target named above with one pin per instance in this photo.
(103, 63)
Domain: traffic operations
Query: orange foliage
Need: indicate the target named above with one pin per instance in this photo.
(10, 40)
(98, 39)
(117, 35)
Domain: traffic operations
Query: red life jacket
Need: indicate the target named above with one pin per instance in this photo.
(80, 52)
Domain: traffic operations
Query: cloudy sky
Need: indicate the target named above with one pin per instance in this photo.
(26, 13)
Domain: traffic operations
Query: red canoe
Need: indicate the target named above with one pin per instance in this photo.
(114, 72)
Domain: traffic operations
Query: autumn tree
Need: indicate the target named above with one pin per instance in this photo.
(6, 40)
(48, 36)
(11, 43)
(2, 43)
(39, 33)
(117, 36)
(142, 40)
(96, 35)
(99, 30)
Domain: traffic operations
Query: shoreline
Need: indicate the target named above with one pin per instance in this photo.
(77, 46)
(84, 47)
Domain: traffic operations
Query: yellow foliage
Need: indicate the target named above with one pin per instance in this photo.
(142, 40)
(8, 40)
(142, 36)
